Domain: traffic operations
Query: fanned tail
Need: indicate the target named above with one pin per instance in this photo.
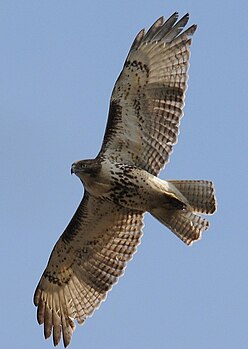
(197, 196)
(185, 224)
(200, 194)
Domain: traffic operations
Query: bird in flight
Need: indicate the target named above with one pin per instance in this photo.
(121, 183)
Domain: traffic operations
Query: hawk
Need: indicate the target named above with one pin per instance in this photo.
(121, 183)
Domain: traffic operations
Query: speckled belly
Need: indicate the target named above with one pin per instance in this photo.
(134, 188)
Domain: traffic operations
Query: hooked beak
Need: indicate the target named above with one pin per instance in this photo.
(73, 168)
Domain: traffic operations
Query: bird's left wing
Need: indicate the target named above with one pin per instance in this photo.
(86, 261)
(148, 98)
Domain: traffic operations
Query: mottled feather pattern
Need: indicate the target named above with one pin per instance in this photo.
(121, 183)
(150, 93)
(83, 267)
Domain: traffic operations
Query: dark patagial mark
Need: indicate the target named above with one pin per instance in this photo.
(74, 226)
(114, 117)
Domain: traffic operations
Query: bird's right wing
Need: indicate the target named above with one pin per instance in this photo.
(87, 260)
(148, 98)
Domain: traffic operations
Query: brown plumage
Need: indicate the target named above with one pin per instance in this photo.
(121, 184)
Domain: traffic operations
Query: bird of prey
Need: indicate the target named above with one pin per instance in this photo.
(121, 183)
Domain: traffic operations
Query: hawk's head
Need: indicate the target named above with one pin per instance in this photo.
(86, 168)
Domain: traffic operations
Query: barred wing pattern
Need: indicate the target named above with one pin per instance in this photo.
(86, 261)
(148, 98)
(143, 124)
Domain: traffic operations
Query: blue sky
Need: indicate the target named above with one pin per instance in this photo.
(59, 61)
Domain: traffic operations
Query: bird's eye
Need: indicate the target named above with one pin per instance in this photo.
(83, 165)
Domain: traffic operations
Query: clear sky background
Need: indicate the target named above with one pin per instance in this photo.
(58, 63)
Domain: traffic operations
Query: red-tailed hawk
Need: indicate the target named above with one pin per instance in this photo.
(121, 183)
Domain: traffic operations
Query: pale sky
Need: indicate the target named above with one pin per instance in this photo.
(58, 63)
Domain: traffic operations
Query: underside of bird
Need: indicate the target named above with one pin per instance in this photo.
(122, 182)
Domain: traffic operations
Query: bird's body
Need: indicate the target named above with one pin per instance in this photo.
(121, 183)
(126, 185)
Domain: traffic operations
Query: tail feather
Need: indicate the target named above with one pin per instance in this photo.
(196, 196)
(185, 224)
(200, 194)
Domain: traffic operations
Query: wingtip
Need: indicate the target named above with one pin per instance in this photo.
(174, 17)
(36, 297)
(56, 336)
(191, 30)
(184, 20)
(160, 19)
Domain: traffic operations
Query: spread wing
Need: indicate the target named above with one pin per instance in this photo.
(87, 260)
(148, 98)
